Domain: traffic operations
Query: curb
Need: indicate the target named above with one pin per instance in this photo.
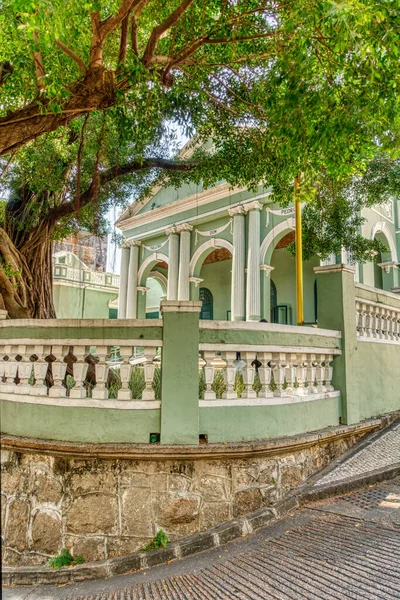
(212, 538)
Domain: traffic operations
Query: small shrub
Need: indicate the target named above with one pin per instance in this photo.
(158, 541)
(64, 559)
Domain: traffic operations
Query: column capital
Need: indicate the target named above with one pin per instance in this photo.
(131, 243)
(267, 269)
(386, 266)
(124, 245)
(170, 231)
(184, 227)
(255, 205)
(236, 210)
(195, 280)
(142, 288)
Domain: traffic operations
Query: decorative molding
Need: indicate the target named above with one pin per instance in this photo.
(267, 269)
(386, 266)
(342, 268)
(181, 306)
(254, 205)
(212, 232)
(285, 226)
(152, 259)
(154, 247)
(212, 243)
(171, 231)
(184, 227)
(236, 210)
(196, 280)
(382, 227)
(143, 289)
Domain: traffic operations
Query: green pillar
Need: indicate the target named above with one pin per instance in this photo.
(337, 310)
(180, 367)
(141, 303)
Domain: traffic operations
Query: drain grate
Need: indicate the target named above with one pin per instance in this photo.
(373, 498)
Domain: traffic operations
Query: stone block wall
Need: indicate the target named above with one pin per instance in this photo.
(101, 509)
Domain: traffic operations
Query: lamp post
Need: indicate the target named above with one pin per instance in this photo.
(299, 253)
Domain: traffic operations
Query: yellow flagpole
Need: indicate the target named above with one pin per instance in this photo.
(299, 253)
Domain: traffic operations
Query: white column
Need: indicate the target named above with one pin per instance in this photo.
(123, 285)
(238, 264)
(253, 295)
(131, 302)
(173, 266)
(184, 262)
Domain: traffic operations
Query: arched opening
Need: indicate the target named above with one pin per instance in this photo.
(206, 298)
(152, 285)
(274, 302)
(382, 257)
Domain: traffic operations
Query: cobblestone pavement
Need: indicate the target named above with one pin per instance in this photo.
(342, 548)
(383, 452)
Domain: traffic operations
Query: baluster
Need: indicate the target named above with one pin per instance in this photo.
(359, 318)
(125, 370)
(2, 369)
(290, 372)
(209, 371)
(396, 328)
(58, 368)
(229, 375)
(311, 374)
(40, 367)
(10, 369)
(25, 367)
(248, 375)
(279, 364)
(385, 323)
(149, 368)
(320, 373)
(80, 368)
(265, 372)
(329, 373)
(364, 315)
(301, 375)
(390, 321)
(378, 322)
(99, 391)
(370, 325)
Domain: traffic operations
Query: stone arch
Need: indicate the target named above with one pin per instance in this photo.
(162, 280)
(203, 251)
(273, 238)
(148, 264)
(384, 229)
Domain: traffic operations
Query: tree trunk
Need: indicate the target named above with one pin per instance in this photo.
(26, 279)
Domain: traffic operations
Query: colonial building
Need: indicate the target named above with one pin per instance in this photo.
(228, 248)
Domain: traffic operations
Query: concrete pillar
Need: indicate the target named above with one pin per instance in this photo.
(131, 302)
(180, 366)
(173, 266)
(123, 285)
(337, 310)
(253, 295)
(238, 264)
(184, 262)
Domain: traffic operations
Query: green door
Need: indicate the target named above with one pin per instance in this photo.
(205, 296)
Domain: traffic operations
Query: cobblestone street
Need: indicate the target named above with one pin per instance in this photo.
(346, 547)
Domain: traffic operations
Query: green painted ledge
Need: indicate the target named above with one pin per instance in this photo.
(365, 292)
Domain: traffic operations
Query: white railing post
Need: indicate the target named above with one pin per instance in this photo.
(149, 368)
(209, 371)
(25, 367)
(99, 391)
(80, 368)
(311, 374)
(248, 375)
(301, 374)
(329, 373)
(40, 367)
(320, 373)
(264, 373)
(125, 370)
(59, 369)
(290, 373)
(229, 375)
(279, 361)
(10, 369)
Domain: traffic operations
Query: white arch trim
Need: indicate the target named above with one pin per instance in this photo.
(382, 227)
(161, 278)
(151, 260)
(288, 225)
(212, 244)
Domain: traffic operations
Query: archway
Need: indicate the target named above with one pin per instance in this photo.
(382, 277)
(152, 285)
(210, 269)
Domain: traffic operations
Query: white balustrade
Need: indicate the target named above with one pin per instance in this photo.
(24, 370)
(268, 374)
(377, 322)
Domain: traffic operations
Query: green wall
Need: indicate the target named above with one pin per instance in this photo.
(81, 303)
(217, 278)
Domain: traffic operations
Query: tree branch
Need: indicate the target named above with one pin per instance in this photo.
(108, 25)
(163, 28)
(69, 208)
(72, 55)
(123, 41)
(39, 69)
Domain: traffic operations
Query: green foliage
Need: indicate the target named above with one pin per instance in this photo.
(159, 541)
(64, 559)
(10, 271)
(136, 383)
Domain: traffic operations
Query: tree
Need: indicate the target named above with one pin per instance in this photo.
(91, 93)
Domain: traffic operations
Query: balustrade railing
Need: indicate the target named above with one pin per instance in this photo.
(79, 371)
(250, 374)
(377, 322)
(97, 278)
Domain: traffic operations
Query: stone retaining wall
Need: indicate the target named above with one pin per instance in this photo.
(101, 509)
